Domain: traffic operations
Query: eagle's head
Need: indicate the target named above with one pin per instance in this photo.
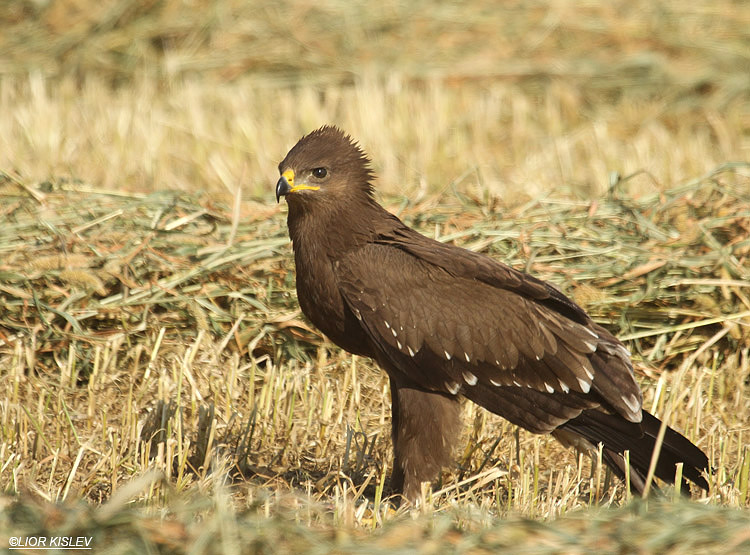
(325, 165)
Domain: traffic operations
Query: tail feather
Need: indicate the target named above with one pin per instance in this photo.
(618, 435)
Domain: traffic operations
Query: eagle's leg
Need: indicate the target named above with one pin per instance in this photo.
(425, 425)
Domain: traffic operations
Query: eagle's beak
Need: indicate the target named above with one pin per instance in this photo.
(283, 187)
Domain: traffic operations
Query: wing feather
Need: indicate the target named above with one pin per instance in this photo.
(449, 333)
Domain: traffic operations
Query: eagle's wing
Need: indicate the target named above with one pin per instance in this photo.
(486, 339)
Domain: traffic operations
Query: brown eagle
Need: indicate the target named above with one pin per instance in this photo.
(445, 322)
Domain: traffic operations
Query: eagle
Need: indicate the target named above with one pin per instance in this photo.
(445, 322)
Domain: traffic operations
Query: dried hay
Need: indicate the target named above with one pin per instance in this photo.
(81, 265)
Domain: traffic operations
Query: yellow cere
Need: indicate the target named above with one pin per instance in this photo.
(289, 176)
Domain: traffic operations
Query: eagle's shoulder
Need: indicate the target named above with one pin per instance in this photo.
(461, 262)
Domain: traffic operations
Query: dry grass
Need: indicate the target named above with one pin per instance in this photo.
(654, 527)
(153, 359)
(507, 100)
(495, 138)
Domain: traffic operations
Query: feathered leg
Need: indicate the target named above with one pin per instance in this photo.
(424, 427)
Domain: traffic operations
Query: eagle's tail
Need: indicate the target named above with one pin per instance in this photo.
(618, 435)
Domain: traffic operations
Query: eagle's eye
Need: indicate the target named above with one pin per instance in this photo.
(320, 173)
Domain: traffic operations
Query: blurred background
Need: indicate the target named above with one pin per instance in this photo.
(502, 98)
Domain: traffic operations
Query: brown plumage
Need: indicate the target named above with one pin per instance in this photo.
(445, 322)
